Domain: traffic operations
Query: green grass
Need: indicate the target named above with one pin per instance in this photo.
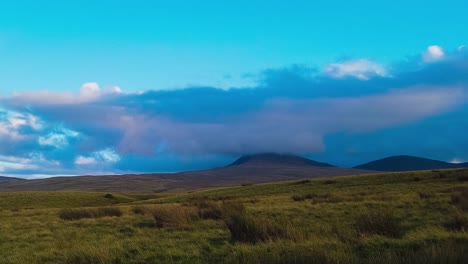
(381, 218)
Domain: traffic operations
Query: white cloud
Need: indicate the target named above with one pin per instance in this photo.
(81, 160)
(59, 138)
(433, 53)
(8, 163)
(90, 90)
(12, 122)
(98, 157)
(362, 69)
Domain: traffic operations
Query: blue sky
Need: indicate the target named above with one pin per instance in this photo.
(85, 85)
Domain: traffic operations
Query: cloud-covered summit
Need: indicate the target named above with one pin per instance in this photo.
(345, 113)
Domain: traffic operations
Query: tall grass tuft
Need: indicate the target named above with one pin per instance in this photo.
(174, 216)
(458, 221)
(460, 199)
(209, 210)
(80, 213)
(378, 222)
(248, 228)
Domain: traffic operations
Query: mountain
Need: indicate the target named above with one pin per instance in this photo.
(261, 168)
(279, 159)
(407, 163)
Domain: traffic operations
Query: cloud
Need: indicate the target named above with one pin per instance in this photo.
(102, 156)
(59, 138)
(361, 69)
(348, 112)
(88, 93)
(433, 53)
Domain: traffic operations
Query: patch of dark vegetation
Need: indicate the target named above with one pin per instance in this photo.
(462, 178)
(247, 228)
(147, 223)
(460, 199)
(330, 182)
(303, 181)
(174, 216)
(246, 184)
(209, 210)
(426, 195)
(416, 179)
(458, 221)
(109, 196)
(298, 198)
(378, 222)
(139, 210)
(80, 213)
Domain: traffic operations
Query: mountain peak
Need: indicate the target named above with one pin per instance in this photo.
(277, 159)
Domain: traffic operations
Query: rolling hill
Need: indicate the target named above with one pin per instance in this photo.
(408, 163)
(4, 178)
(251, 169)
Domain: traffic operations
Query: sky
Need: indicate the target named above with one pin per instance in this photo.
(110, 87)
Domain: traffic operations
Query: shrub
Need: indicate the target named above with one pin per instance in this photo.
(458, 222)
(379, 222)
(109, 196)
(174, 216)
(417, 179)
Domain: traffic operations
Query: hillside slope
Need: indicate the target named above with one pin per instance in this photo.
(407, 163)
(257, 170)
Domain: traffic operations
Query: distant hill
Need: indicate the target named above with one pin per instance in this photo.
(4, 178)
(273, 158)
(251, 169)
(408, 163)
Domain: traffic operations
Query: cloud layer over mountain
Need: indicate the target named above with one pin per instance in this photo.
(348, 112)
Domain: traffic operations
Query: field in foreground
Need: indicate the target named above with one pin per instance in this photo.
(412, 217)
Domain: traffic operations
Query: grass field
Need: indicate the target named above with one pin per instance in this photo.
(412, 217)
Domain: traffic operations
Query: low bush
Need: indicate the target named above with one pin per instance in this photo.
(109, 196)
(378, 222)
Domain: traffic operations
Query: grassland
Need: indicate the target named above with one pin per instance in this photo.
(412, 217)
